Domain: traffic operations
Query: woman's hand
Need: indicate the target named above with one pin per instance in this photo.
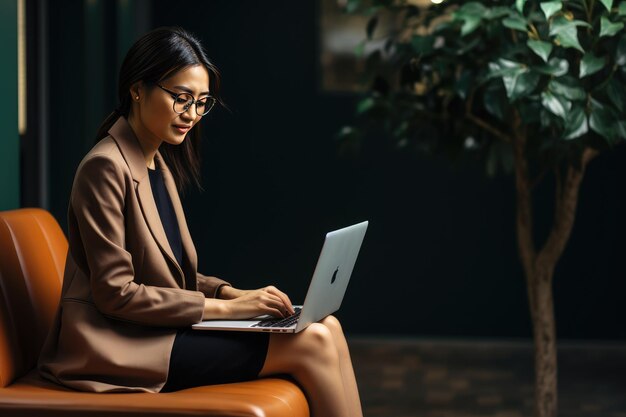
(226, 292)
(243, 304)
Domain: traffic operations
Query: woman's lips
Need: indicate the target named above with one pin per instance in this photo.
(182, 129)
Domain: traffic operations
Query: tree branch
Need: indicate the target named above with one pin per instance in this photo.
(482, 123)
(566, 202)
(524, 216)
(588, 155)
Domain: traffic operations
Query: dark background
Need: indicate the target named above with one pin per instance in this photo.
(440, 254)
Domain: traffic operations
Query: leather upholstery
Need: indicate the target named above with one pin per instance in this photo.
(32, 257)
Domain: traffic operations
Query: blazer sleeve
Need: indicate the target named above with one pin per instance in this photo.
(210, 286)
(97, 202)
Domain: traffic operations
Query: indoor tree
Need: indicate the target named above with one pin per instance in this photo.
(538, 88)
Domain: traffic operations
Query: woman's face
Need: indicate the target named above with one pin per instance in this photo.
(157, 121)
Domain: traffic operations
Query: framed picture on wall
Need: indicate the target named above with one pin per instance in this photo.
(345, 50)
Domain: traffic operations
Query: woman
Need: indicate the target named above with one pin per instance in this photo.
(131, 290)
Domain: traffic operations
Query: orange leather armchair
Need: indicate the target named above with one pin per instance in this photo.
(32, 257)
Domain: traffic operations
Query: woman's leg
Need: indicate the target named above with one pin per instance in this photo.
(314, 358)
(345, 363)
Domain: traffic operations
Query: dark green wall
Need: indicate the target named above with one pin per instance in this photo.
(9, 142)
(86, 37)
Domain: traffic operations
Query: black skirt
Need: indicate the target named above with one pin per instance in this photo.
(215, 357)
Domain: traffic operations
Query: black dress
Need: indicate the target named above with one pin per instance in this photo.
(205, 357)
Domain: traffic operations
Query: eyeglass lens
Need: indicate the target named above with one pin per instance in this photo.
(184, 100)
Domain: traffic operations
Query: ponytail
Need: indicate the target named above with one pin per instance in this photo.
(122, 110)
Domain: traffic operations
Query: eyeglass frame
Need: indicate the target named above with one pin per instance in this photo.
(193, 100)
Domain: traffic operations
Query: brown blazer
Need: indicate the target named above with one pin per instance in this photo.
(124, 294)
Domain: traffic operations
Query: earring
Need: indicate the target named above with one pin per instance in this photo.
(136, 97)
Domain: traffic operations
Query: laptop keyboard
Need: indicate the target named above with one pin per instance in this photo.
(286, 322)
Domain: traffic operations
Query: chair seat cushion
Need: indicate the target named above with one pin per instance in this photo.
(31, 395)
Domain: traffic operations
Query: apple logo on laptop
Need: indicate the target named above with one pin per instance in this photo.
(334, 278)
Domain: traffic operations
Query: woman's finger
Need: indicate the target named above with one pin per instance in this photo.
(277, 303)
(284, 298)
(263, 301)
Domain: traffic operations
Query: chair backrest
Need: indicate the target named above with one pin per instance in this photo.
(33, 249)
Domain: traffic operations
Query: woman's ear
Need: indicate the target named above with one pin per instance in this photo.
(136, 91)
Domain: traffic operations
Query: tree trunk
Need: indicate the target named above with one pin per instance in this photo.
(539, 266)
(544, 332)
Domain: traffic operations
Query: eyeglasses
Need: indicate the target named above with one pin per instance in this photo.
(182, 102)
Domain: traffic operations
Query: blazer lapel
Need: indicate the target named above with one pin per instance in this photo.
(132, 153)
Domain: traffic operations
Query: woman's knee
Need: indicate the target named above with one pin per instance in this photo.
(318, 343)
(333, 324)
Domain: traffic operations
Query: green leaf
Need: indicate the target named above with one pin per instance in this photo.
(365, 105)
(352, 6)
(520, 85)
(620, 52)
(359, 49)
(591, 64)
(346, 132)
(555, 105)
(541, 48)
(620, 127)
(371, 27)
(470, 24)
(570, 92)
(568, 38)
(559, 23)
(463, 49)
(622, 9)
(423, 45)
(602, 121)
(608, 4)
(471, 14)
(566, 32)
(472, 8)
(576, 123)
(519, 4)
(401, 129)
(505, 67)
(507, 63)
(608, 28)
(495, 102)
(617, 94)
(515, 22)
(555, 66)
(373, 10)
(499, 155)
(546, 119)
(464, 83)
(497, 12)
(551, 7)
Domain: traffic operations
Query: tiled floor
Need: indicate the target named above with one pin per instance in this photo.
(429, 378)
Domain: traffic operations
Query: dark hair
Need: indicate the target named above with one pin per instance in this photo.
(154, 57)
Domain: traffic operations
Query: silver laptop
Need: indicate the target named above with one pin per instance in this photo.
(326, 291)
